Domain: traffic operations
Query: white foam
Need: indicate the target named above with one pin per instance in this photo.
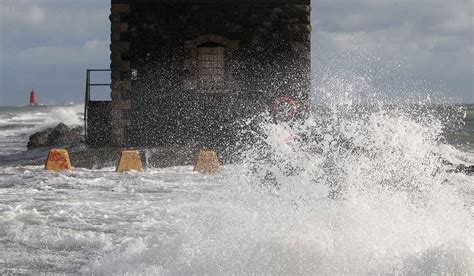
(364, 192)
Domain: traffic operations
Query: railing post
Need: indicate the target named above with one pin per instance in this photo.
(86, 103)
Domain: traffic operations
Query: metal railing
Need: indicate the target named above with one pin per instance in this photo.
(88, 93)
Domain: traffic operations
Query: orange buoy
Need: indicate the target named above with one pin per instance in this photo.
(129, 161)
(58, 160)
(33, 98)
(207, 162)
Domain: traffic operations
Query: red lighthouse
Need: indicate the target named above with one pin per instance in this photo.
(33, 98)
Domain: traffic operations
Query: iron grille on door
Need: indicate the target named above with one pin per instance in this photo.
(211, 67)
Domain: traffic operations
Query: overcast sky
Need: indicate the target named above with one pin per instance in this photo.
(402, 46)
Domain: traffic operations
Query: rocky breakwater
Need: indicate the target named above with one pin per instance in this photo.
(61, 135)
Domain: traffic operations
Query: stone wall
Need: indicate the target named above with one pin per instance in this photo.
(120, 66)
(155, 102)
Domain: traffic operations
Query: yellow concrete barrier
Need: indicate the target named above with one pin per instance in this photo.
(129, 161)
(207, 162)
(58, 160)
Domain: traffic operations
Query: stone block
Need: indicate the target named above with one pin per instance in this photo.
(115, 37)
(121, 85)
(120, 8)
(123, 104)
(302, 8)
(121, 66)
(116, 57)
(115, 17)
(120, 27)
(115, 76)
(120, 46)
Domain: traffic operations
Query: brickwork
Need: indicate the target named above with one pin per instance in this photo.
(120, 66)
(157, 73)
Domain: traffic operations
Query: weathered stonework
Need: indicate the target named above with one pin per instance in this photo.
(168, 57)
(120, 67)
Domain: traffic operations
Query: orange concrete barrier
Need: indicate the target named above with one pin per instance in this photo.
(207, 162)
(58, 160)
(129, 161)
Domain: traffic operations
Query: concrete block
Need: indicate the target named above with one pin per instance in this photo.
(129, 161)
(58, 160)
(207, 162)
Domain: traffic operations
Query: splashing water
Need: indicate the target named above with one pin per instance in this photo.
(358, 187)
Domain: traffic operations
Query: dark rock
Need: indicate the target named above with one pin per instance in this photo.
(460, 168)
(469, 170)
(446, 162)
(39, 139)
(58, 136)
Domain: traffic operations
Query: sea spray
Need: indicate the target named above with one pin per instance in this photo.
(359, 187)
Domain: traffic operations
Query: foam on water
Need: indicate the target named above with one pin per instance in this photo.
(356, 188)
(176, 222)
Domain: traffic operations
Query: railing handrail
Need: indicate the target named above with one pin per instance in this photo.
(98, 70)
(88, 93)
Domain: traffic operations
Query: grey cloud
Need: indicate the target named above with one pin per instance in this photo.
(21, 13)
(79, 55)
(431, 39)
(39, 22)
(48, 44)
(368, 15)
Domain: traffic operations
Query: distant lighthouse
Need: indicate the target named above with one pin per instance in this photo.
(33, 98)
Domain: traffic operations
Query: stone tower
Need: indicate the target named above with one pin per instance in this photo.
(191, 71)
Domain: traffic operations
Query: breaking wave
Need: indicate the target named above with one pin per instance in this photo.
(15, 126)
(358, 187)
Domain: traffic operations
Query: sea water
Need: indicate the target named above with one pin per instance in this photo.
(356, 188)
